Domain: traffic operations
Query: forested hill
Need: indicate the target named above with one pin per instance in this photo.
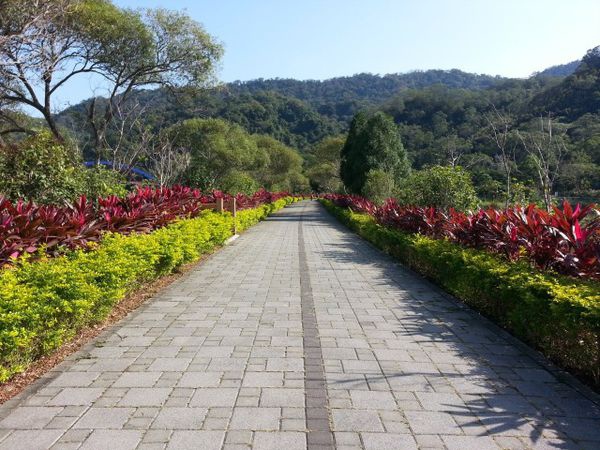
(296, 112)
(301, 113)
(578, 94)
(561, 70)
(338, 97)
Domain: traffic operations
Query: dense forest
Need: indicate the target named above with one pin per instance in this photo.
(299, 113)
(491, 126)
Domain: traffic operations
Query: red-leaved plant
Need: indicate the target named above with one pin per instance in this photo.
(25, 227)
(566, 240)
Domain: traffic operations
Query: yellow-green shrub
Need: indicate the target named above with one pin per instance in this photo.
(46, 302)
(557, 314)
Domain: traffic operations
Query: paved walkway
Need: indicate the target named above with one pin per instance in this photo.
(299, 325)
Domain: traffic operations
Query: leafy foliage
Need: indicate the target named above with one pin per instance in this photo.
(341, 98)
(373, 143)
(283, 170)
(101, 182)
(237, 181)
(44, 170)
(379, 186)
(215, 147)
(442, 187)
(224, 156)
(47, 44)
(297, 113)
(579, 93)
(323, 164)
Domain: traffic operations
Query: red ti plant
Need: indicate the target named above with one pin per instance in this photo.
(26, 227)
(566, 240)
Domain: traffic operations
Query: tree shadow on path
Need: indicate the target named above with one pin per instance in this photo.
(492, 385)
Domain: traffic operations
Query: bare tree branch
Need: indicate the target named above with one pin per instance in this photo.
(547, 150)
(501, 131)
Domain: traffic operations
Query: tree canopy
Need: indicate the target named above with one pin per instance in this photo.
(216, 148)
(373, 143)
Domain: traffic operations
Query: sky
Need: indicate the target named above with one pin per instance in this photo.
(319, 39)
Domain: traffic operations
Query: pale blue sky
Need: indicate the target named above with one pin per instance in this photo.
(318, 39)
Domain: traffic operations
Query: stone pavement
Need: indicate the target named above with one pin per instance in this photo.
(301, 335)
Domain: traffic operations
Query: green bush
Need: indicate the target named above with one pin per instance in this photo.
(238, 181)
(556, 314)
(444, 187)
(101, 182)
(39, 168)
(379, 186)
(46, 171)
(46, 302)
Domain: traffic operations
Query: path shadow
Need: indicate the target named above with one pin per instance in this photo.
(504, 390)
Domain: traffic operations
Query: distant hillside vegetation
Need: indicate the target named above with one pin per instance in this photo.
(576, 95)
(298, 113)
(442, 116)
(341, 97)
(560, 70)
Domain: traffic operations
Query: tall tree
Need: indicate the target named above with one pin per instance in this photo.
(353, 159)
(283, 171)
(38, 54)
(324, 169)
(373, 143)
(502, 135)
(216, 148)
(168, 49)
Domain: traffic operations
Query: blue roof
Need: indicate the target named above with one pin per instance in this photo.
(122, 167)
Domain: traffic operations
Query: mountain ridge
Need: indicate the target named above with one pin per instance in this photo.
(302, 112)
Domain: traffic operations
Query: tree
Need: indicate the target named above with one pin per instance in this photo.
(379, 186)
(38, 55)
(439, 186)
(216, 148)
(166, 161)
(283, 171)
(456, 148)
(238, 181)
(46, 43)
(324, 169)
(546, 149)
(39, 168)
(42, 169)
(373, 143)
(501, 134)
(353, 159)
(167, 49)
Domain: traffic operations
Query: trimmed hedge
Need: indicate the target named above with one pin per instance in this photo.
(557, 314)
(44, 303)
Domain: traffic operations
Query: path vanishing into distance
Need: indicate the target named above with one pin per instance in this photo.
(300, 335)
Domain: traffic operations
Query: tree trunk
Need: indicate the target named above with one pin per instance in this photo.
(548, 194)
(52, 125)
(508, 190)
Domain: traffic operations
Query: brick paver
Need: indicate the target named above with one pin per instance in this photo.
(301, 335)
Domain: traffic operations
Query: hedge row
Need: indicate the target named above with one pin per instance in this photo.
(44, 303)
(556, 314)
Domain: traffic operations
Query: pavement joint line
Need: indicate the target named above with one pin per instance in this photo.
(319, 434)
